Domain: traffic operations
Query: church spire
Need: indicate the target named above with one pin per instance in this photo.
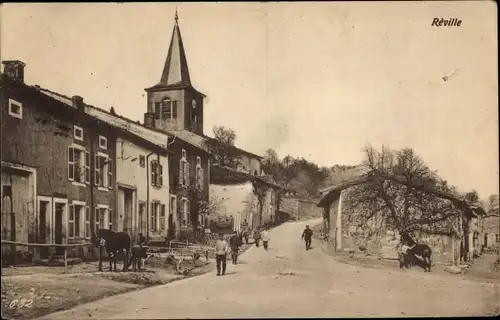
(176, 70)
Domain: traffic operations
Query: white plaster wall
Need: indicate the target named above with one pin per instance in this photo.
(131, 173)
(236, 200)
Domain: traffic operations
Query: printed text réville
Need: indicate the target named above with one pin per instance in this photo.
(453, 22)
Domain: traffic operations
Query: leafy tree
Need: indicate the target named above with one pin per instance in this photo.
(222, 147)
(201, 206)
(492, 206)
(225, 135)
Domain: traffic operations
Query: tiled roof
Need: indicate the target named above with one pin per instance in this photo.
(157, 137)
(225, 175)
(192, 138)
(245, 152)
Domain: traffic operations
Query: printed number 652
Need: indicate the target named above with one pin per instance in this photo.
(23, 303)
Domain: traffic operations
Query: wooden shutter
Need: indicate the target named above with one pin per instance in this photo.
(97, 167)
(174, 109)
(110, 174)
(186, 173)
(160, 175)
(153, 173)
(181, 172)
(71, 164)
(87, 167)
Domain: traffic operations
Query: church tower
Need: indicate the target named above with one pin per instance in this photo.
(173, 103)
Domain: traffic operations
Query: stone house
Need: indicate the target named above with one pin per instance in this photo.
(491, 229)
(300, 207)
(344, 232)
(58, 173)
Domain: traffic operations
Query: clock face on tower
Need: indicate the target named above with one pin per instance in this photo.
(193, 103)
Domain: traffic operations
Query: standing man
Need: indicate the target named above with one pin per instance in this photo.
(235, 243)
(256, 237)
(307, 236)
(265, 238)
(221, 249)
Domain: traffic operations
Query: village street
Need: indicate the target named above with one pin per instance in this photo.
(288, 281)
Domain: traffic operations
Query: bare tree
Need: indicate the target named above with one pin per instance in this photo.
(397, 203)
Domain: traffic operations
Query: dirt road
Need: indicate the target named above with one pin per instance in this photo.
(288, 281)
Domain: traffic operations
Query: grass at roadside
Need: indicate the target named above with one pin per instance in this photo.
(45, 290)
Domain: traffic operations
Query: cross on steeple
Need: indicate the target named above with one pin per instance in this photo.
(176, 17)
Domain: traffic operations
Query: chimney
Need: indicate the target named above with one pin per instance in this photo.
(149, 119)
(14, 69)
(78, 103)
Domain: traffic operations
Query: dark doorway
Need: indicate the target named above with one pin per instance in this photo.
(42, 228)
(171, 227)
(485, 240)
(58, 227)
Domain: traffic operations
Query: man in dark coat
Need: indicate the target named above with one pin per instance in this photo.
(307, 236)
(235, 243)
(256, 237)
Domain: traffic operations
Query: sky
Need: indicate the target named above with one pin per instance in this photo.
(314, 80)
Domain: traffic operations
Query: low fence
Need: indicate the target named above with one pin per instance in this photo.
(44, 245)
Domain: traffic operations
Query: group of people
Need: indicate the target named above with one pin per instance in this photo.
(222, 247)
(263, 235)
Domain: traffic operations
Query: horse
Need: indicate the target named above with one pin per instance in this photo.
(114, 242)
(418, 249)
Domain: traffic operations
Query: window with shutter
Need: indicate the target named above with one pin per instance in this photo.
(104, 172)
(78, 220)
(166, 109)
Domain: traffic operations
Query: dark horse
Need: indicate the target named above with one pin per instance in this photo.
(114, 242)
(418, 249)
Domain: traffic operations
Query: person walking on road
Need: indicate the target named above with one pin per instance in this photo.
(307, 236)
(235, 243)
(265, 238)
(221, 249)
(256, 237)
